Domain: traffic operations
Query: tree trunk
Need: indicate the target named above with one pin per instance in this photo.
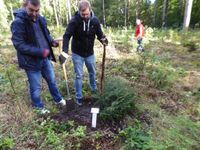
(55, 12)
(187, 16)
(181, 11)
(69, 9)
(128, 14)
(67, 18)
(154, 14)
(181, 7)
(137, 9)
(59, 13)
(125, 14)
(11, 11)
(164, 14)
(104, 15)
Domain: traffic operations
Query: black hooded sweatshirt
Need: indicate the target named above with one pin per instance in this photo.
(83, 33)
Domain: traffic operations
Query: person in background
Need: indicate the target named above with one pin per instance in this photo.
(139, 34)
(33, 43)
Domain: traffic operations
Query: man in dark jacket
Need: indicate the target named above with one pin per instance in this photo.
(84, 26)
(33, 43)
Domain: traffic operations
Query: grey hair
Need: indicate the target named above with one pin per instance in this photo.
(83, 5)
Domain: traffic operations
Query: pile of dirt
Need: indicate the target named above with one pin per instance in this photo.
(81, 115)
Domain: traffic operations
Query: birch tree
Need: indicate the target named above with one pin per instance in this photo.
(187, 16)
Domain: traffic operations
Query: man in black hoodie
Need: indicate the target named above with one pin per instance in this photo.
(33, 43)
(83, 27)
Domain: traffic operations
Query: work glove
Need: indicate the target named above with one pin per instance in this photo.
(63, 57)
(45, 53)
(104, 41)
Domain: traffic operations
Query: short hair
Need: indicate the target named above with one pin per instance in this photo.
(83, 5)
(33, 2)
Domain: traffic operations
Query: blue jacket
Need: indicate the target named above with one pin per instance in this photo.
(83, 33)
(23, 37)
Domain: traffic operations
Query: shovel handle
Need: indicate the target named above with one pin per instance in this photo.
(64, 69)
(103, 68)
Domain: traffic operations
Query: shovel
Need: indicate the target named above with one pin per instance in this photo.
(102, 69)
(64, 70)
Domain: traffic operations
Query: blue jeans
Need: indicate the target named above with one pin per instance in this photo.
(78, 62)
(34, 78)
(140, 47)
(139, 41)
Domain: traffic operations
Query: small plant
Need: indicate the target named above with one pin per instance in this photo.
(58, 127)
(6, 143)
(50, 133)
(190, 45)
(80, 131)
(97, 135)
(117, 99)
(52, 138)
(135, 138)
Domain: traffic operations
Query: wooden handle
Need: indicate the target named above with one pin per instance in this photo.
(103, 68)
(64, 70)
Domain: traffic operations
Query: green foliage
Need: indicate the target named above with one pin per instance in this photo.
(3, 16)
(80, 132)
(51, 134)
(117, 100)
(117, 13)
(182, 133)
(196, 93)
(52, 138)
(6, 143)
(162, 74)
(195, 21)
(12, 80)
(171, 35)
(135, 138)
(48, 133)
(57, 126)
(160, 71)
(124, 39)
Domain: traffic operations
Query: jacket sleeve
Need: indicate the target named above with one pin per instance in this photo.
(99, 31)
(68, 33)
(19, 40)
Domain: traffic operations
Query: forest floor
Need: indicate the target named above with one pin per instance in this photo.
(166, 78)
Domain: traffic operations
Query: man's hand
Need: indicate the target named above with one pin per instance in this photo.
(45, 53)
(55, 43)
(104, 41)
(63, 57)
